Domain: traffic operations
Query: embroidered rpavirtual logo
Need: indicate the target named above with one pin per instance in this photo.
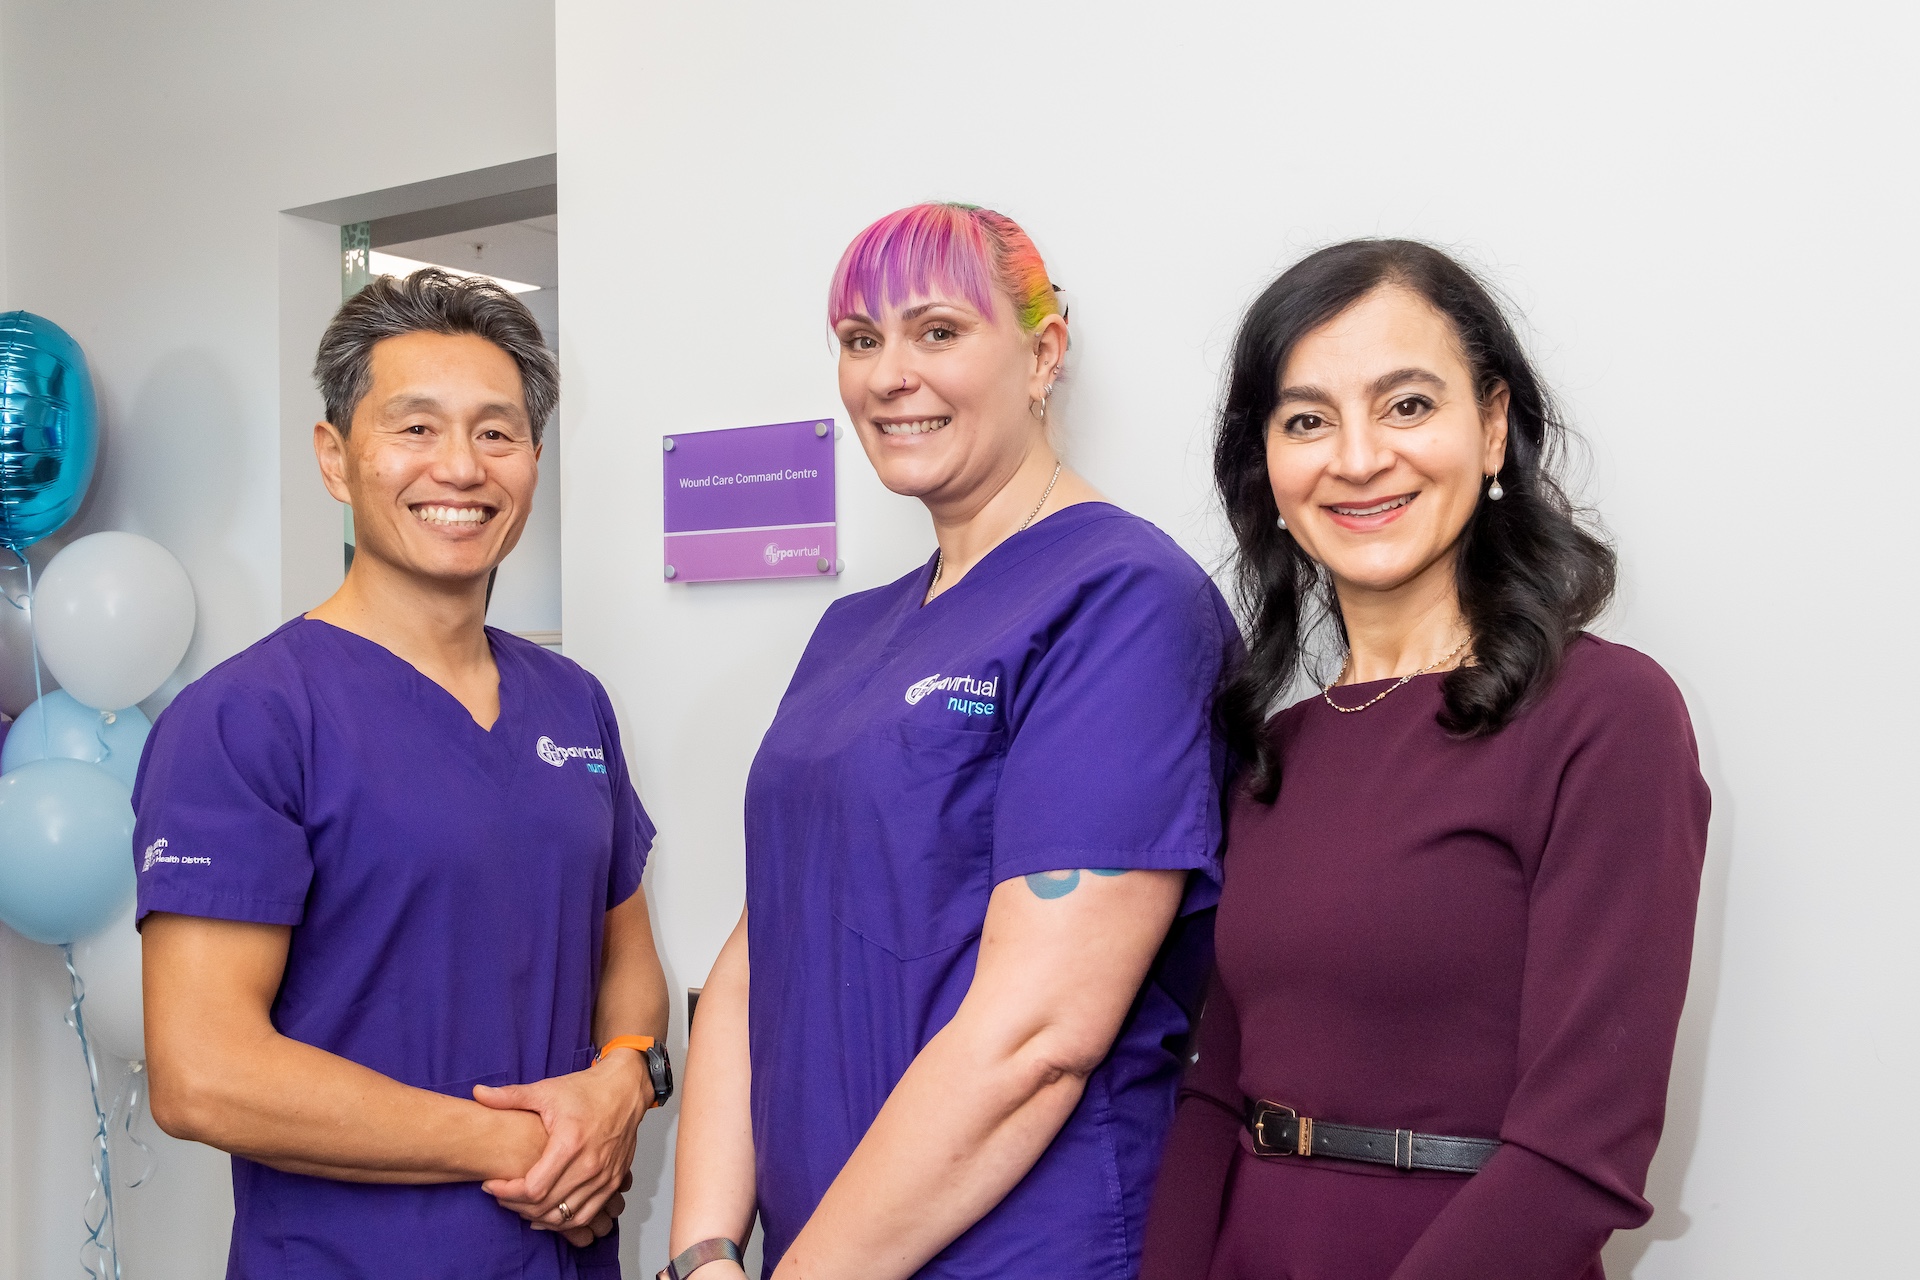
(957, 684)
(557, 756)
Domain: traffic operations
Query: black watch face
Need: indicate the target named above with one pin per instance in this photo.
(661, 1069)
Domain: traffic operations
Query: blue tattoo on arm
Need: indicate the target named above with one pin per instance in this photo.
(1058, 884)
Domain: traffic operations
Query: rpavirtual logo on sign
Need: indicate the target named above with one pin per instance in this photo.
(750, 502)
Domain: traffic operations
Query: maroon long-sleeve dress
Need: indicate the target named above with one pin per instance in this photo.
(1479, 938)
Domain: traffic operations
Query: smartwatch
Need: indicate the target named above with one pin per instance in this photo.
(699, 1255)
(659, 1066)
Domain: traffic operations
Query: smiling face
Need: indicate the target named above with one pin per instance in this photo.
(440, 464)
(941, 393)
(1378, 446)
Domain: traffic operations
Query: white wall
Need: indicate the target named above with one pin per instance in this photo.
(147, 151)
(1705, 213)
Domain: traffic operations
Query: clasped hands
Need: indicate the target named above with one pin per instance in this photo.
(592, 1119)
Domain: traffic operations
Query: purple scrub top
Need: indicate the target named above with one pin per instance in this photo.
(447, 887)
(1049, 711)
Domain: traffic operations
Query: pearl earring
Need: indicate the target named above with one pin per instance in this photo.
(1494, 491)
(1281, 522)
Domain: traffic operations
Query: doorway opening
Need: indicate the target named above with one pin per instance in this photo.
(501, 222)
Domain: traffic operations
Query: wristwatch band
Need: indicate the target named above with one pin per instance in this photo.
(639, 1044)
(697, 1256)
(659, 1066)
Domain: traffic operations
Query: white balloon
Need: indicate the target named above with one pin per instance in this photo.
(109, 965)
(113, 613)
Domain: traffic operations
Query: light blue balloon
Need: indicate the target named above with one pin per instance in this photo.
(49, 428)
(66, 849)
(75, 731)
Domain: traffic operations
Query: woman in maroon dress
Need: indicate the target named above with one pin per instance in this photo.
(1461, 879)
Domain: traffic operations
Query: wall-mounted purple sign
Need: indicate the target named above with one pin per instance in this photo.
(750, 502)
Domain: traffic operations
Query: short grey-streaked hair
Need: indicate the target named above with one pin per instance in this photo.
(431, 301)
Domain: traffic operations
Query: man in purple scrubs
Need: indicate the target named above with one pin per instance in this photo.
(390, 859)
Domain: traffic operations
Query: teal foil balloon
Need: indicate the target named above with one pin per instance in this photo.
(49, 428)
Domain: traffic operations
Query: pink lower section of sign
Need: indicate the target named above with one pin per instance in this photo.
(728, 555)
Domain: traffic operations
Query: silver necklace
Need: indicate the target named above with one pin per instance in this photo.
(1327, 691)
(940, 557)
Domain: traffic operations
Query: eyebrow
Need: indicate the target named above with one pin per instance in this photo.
(1380, 385)
(914, 313)
(909, 315)
(427, 404)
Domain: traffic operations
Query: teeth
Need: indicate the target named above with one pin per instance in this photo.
(453, 515)
(918, 428)
(1375, 510)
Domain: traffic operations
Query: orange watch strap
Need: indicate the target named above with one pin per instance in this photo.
(639, 1044)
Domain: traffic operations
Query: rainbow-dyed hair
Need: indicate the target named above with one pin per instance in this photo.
(929, 248)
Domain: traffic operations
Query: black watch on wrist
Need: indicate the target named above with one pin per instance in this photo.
(659, 1066)
(660, 1070)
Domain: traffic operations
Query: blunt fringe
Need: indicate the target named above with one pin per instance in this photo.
(431, 301)
(1531, 573)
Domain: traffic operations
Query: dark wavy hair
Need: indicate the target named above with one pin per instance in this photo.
(1530, 574)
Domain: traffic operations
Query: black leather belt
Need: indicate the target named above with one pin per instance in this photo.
(1281, 1131)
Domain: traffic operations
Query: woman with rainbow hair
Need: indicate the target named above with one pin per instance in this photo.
(982, 832)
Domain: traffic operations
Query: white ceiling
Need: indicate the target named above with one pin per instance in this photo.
(528, 251)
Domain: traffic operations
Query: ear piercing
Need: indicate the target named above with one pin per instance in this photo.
(1038, 408)
(1494, 491)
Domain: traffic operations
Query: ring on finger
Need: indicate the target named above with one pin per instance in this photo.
(566, 1214)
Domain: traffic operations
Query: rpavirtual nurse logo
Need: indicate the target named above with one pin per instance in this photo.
(557, 756)
(964, 694)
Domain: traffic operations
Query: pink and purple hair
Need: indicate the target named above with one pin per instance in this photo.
(929, 249)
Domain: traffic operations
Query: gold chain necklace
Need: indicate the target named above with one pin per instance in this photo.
(1327, 691)
(940, 557)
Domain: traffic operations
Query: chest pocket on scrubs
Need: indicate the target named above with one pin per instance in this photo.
(914, 868)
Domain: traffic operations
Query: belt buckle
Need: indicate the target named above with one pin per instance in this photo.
(1300, 1143)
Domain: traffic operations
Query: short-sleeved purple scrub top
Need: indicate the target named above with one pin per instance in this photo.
(1049, 711)
(447, 887)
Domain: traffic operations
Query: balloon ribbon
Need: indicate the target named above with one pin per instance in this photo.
(128, 1105)
(100, 1254)
(33, 639)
